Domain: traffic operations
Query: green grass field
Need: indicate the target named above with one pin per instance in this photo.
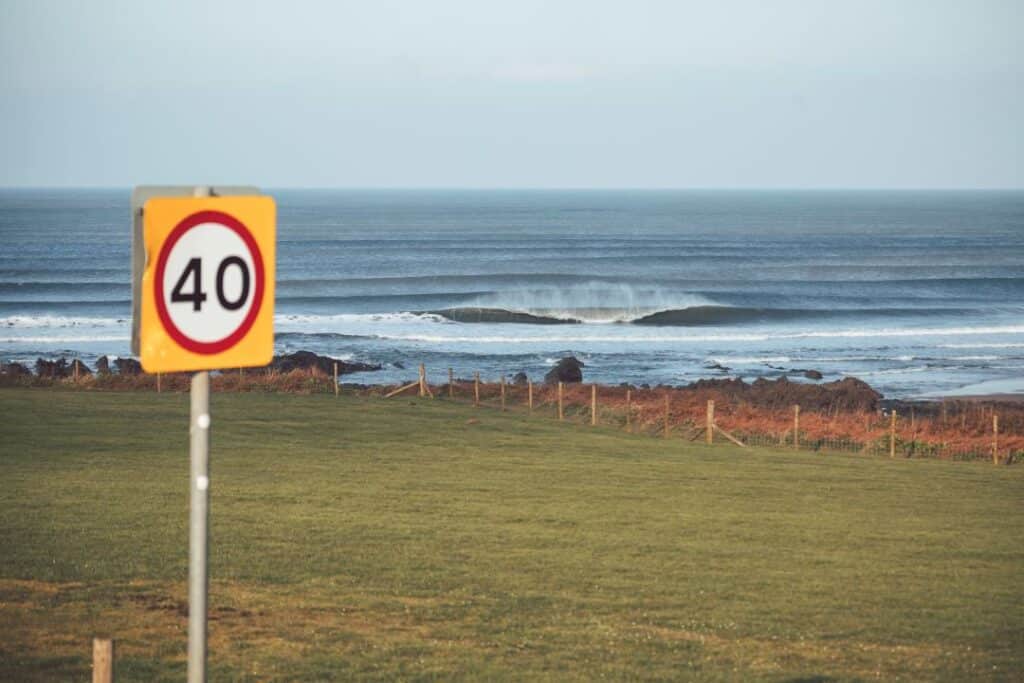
(414, 539)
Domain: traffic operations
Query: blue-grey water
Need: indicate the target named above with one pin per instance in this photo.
(918, 293)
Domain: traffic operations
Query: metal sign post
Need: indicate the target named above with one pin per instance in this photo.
(202, 298)
(199, 517)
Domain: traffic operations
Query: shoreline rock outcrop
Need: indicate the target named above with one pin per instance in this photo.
(307, 360)
(848, 393)
(568, 370)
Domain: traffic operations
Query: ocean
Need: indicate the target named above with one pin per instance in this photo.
(919, 293)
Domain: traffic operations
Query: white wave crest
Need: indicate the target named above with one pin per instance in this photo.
(635, 338)
(749, 360)
(62, 339)
(56, 321)
(315, 319)
(591, 302)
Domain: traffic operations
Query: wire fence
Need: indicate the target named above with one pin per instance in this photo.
(957, 431)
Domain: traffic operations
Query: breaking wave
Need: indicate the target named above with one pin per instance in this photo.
(692, 316)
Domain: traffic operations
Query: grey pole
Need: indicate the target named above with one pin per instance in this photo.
(199, 517)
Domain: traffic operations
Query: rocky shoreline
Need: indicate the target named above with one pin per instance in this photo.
(848, 394)
(62, 368)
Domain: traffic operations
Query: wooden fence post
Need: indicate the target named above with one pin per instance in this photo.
(451, 383)
(74, 368)
(666, 415)
(476, 389)
(709, 435)
(336, 378)
(423, 380)
(629, 411)
(995, 439)
(102, 660)
(158, 382)
(593, 405)
(892, 434)
(529, 394)
(561, 412)
(796, 426)
(502, 382)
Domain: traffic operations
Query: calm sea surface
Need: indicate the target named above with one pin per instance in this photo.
(918, 293)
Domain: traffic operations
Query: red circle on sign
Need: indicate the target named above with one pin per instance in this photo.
(180, 229)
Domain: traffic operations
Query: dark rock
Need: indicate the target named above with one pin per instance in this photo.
(568, 370)
(853, 394)
(81, 367)
(399, 364)
(718, 366)
(849, 393)
(52, 369)
(813, 374)
(520, 378)
(307, 360)
(127, 366)
(103, 365)
(14, 370)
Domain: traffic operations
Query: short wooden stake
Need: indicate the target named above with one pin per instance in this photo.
(423, 380)
(476, 389)
(593, 405)
(796, 426)
(74, 367)
(158, 382)
(451, 383)
(995, 439)
(501, 381)
(666, 415)
(561, 412)
(892, 434)
(710, 427)
(336, 389)
(102, 660)
(529, 394)
(629, 411)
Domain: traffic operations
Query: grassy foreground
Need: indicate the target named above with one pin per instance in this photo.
(415, 539)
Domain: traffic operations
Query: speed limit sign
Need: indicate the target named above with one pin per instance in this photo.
(207, 291)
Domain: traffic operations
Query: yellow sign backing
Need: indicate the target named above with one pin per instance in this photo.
(207, 291)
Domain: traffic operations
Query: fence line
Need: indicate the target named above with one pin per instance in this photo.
(580, 410)
(977, 433)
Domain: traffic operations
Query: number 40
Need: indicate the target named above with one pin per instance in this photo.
(194, 268)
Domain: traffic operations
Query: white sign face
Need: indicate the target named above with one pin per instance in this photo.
(209, 282)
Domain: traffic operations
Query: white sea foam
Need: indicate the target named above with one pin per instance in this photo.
(592, 302)
(312, 320)
(57, 321)
(62, 339)
(893, 371)
(749, 360)
(641, 338)
(984, 345)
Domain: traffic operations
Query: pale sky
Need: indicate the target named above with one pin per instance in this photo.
(513, 94)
